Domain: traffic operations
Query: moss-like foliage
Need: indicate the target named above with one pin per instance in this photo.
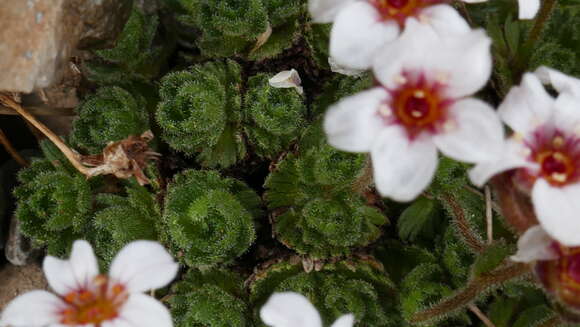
(233, 27)
(134, 216)
(317, 210)
(54, 204)
(274, 116)
(355, 286)
(214, 298)
(136, 57)
(200, 111)
(210, 218)
(110, 115)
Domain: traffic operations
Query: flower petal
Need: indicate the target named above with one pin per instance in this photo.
(475, 133)
(566, 113)
(529, 8)
(357, 35)
(526, 106)
(143, 311)
(32, 309)
(324, 11)
(143, 265)
(513, 155)
(402, 168)
(289, 309)
(445, 20)
(535, 244)
(78, 272)
(461, 62)
(560, 81)
(344, 321)
(353, 124)
(336, 68)
(557, 209)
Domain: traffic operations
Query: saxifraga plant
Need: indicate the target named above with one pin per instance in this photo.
(110, 115)
(317, 210)
(213, 298)
(210, 218)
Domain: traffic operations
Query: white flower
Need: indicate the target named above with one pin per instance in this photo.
(528, 8)
(290, 309)
(362, 27)
(422, 105)
(85, 298)
(535, 245)
(287, 79)
(545, 147)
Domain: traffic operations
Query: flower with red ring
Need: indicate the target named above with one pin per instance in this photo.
(422, 105)
(86, 298)
(544, 150)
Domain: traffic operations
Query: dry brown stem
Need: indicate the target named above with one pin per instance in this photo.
(11, 150)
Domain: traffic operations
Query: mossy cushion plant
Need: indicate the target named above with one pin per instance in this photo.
(210, 218)
(212, 298)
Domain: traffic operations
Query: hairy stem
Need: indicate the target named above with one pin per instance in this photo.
(70, 154)
(473, 289)
(488, 215)
(463, 225)
(365, 179)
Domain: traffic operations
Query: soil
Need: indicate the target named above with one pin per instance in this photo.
(18, 280)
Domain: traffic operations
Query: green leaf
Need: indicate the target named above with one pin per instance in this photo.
(416, 218)
(491, 258)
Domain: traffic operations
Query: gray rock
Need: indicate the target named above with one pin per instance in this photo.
(19, 251)
(38, 37)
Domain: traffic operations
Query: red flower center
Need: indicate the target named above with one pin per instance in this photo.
(400, 10)
(101, 303)
(418, 105)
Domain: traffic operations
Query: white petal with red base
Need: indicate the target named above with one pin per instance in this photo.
(32, 309)
(144, 311)
(143, 265)
(65, 276)
(474, 132)
(289, 309)
(557, 209)
(357, 35)
(353, 123)
(535, 244)
(402, 168)
(324, 11)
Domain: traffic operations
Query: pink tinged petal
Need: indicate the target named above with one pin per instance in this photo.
(32, 309)
(344, 321)
(76, 273)
(357, 35)
(324, 11)
(513, 155)
(143, 265)
(143, 311)
(402, 168)
(289, 309)
(560, 81)
(445, 20)
(535, 244)
(528, 8)
(558, 211)
(353, 123)
(527, 106)
(336, 68)
(473, 134)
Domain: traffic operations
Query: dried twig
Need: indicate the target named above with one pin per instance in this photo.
(488, 215)
(71, 155)
(480, 315)
(11, 150)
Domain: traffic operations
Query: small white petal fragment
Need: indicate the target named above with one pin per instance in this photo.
(324, 11)
(287, 79)
(477, 135)
(35, 309)
(144, 311)
(528, 8)
(336, 68)
(344, 321)
(535, 244)
(560, 81)
(76, 273)
(353, 123)
(142, 266)
(289, 309)
(402, 167)
(557, 209)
